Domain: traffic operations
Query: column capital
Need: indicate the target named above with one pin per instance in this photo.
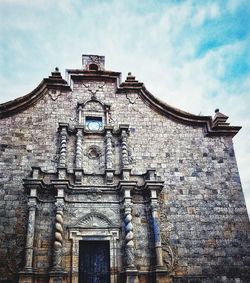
(59, 204)
(154, 185)
(63, 125)
(32, 203)
(126, 185)
(123, 128)
(108, 129)
(79, 128)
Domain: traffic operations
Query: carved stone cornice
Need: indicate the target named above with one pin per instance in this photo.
(77, 74)
(154, 185)
(55, 81)
(61, 184)
(207, 122)
(30, 183)
(211, 127)
(122, 185)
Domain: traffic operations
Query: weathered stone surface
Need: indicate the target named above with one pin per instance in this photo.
(203, 219)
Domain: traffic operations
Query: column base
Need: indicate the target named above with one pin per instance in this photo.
(162, 275)
(130, 275)
(78, 176)
(57, 276)
(26, 276)
(110, 176)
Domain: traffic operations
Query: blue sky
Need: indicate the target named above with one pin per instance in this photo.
(195, 55)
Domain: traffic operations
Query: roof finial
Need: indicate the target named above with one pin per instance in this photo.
(56, 69)
(217, 110)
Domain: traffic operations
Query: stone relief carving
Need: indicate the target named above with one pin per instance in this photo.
(169, 255)
(93, 89)
(94, 194)
(72, 122)
(111, 120)
(93, 152)
(115, 209)
(132, 97)
(54, 94)
(94, 219)
(94, 180)
(95, 59)
(93, 106)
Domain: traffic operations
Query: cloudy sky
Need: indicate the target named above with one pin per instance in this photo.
(193, 54)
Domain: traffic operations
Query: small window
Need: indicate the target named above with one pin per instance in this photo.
(93, 67)
(93, 123)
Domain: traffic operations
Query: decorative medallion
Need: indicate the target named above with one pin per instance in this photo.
(93, 152)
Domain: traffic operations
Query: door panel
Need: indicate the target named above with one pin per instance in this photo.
(94, 262)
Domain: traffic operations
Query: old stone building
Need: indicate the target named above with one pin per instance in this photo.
(102, 182)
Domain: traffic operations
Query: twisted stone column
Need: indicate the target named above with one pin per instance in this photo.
(129, 243)
(58, 242)
(79, 136)
(109, 154)
(63, 147)
(32, 204)
(125, 161)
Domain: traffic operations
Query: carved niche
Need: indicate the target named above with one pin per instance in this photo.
(94, 110)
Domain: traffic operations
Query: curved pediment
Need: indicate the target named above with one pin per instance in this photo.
(93, 220)
(55, 81)
(211, 126)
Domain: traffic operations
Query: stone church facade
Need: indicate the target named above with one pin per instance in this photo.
(102, 182)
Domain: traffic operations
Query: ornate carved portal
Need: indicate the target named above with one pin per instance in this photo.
(101, 179)
(89, 232)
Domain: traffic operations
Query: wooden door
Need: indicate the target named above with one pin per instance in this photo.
(94, 262)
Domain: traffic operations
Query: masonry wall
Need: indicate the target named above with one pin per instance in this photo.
(203, 213)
